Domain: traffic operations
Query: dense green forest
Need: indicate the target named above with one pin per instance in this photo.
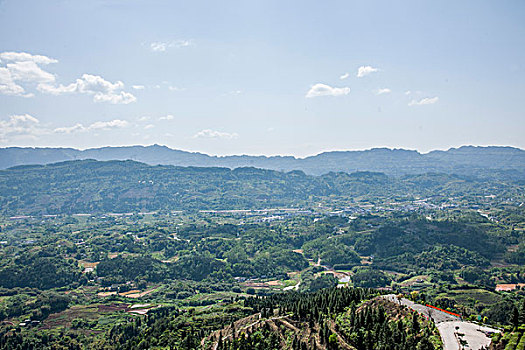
(126, 186)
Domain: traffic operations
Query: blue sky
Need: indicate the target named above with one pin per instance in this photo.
(262, 77)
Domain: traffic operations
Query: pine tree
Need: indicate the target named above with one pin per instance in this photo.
(522, 312)
(515, 318)
(415, 323)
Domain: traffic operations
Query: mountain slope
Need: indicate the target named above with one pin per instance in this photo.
(124, 186)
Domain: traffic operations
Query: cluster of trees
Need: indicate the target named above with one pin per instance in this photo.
(32, 302)
(42, 269)
(513, 337)
(517, 256)
(123, 269)
(168, 328)
(370, 278)
(332, 252)
(371, 328)
(262, 338)
(415, 236)
(410, 244)
(449, 257)
(316, 305)
(311, 283)
(16, 339)
(197, 266)
(328, 317)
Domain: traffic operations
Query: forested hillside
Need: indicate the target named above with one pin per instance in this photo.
(123, 186)
(344, 318)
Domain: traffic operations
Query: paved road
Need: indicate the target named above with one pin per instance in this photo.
(472, 333)
(436, 315)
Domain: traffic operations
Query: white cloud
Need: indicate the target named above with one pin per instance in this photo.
(344, 76)
(213, 134)
(383, 91)
(22, 67)
(29, 71)
(8, 85)
(149, 126)
(70, 129)
(115, 123)
(424, 101)
(408, 92)
(24, 57)
(100, 125)
(175, 88)
(101, 89)
(119, 98)
(23, 125)
(184, 43)
(23, 118)
(365, 70)
(167, 117)
(144, 118)
(326, 90)
(138, 87)
(162, 46)
(27, 126)
(158, 46)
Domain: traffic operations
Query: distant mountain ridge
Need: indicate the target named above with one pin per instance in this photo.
(466, 160)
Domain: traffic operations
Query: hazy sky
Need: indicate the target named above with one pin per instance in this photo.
(262, 77)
